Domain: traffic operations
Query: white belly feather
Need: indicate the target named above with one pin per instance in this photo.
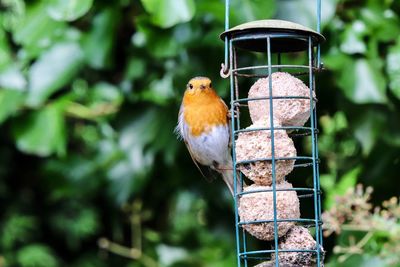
(212, 147)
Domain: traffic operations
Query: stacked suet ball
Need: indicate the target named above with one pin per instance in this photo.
(256, 144)
(289, 111)
(260, 206)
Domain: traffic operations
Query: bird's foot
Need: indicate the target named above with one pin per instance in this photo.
(235, 114)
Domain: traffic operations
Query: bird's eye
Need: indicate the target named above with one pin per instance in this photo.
(210, 85)
(190, 86)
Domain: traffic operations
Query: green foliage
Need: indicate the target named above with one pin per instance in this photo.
(68, 11)
(52, 70)
(368, 234)
(168, 13)
(17, 229)
(36, 255)
(393, 68)
(33, 135)
(89, 96)
(10, 102)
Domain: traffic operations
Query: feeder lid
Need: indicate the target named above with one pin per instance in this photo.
(285, 44)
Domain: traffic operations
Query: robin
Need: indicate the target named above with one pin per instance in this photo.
(203, 124)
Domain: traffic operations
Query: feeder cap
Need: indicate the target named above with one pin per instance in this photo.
(289, 44)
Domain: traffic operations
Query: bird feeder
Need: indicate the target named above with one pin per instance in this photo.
(280, 99)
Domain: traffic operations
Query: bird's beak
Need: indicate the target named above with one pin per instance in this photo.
(202, 87)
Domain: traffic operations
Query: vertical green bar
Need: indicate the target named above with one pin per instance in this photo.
(232, 107)
(319, 31)
(271, 118)
(226, 28)
(313, 140)
(238, 127)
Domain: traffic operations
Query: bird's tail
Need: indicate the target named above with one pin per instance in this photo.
(227, 176)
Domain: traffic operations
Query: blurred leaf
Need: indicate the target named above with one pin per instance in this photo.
(335, 124)
(160, 91)
(42, 132)
(352, 39)
(186, 213)
(68, 10)
(99, 42)
(105, 92)
(89, 260)
(5, 52)
(77, 222)
(136, 68)
(167, 13)
(211, 8)
(18, 228)
(168, 255)
(36, 31)
(347, 181)
(362, 82)
(363, 260)
(102, 100)
(369, 128)
(251, 10)
(159, 43)
(53, 70)
(36, 255)
(13, 11)
(141, 138)
(383, 24)
(304, 12)
(129, 173)
(393, 69)
(10, 102)
(12, 78)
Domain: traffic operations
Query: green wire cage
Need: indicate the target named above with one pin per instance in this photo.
(282, 107)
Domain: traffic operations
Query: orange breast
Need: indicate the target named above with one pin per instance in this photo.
(203, 111)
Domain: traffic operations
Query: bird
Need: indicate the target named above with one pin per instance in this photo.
(203, 125)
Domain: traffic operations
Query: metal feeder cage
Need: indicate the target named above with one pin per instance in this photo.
(272, 40)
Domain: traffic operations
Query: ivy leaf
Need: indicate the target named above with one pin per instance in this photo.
(363, 260)
(68, 10)
(369, 86)
(79, 222)
(304, 11)
(348, 180)
(10, 102)
(99, 42)
(369, 128)
(362, 82)
(169, 255)
(36, 255)
(5, 52)
(383, 24)
(352, 39)
(252, 10)
(159, 43)
(42, 132)
(160, 91)
(393, 69)
(12, 78)
(167, 13)
(36, 31)
(53, 70)
(140, 140)
(18, 228)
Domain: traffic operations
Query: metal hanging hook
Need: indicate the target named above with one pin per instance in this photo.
(225, 72)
